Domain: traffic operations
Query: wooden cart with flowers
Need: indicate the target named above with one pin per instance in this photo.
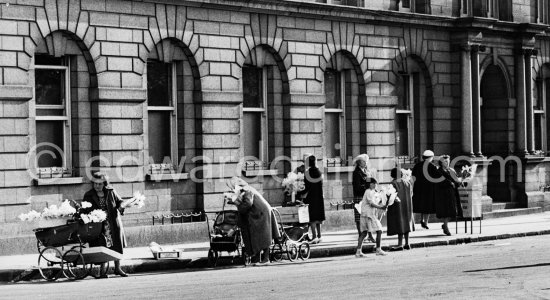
(63, 235)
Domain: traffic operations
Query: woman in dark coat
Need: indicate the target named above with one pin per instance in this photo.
(424, 187)
(314, 188)
(448, 201)
(400, 214)
(256, 220)
(103, 196)
(360, 183)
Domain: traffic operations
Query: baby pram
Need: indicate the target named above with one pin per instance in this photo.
(293, 242)
(225, 235)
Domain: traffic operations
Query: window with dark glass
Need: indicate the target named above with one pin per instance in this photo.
(52, 102)
(161, 110)
(254, 113)
(404, 125)
(334, 113)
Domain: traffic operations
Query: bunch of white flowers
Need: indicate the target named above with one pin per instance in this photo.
(95, 216)
(293, 182)
(30, 216)
(406, 174)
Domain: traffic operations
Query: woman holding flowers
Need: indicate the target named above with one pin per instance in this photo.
(103, 196)
(315, 200)
(400, 214)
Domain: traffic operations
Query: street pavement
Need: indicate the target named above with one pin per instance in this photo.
(140, 259)
(515, 268)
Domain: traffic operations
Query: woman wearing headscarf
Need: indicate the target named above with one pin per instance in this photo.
(448, 201)
(103, 196)
(400, 215)
(425, 178)
(256, 220)
(360, 183)
(316, 203)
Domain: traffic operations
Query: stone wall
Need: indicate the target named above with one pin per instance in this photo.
(215, 40)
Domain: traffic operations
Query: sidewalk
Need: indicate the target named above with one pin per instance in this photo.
(140, 259)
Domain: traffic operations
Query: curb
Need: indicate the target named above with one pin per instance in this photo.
(144, 265)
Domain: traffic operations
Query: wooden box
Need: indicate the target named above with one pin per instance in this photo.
(293, 214)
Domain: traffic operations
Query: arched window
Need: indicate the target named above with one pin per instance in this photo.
(412, 120)
(170, 108)
(264, 87)
(62, 78)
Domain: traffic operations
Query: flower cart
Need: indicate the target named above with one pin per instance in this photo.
(62, 235)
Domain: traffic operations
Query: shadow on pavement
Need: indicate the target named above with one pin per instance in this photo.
(508, 268)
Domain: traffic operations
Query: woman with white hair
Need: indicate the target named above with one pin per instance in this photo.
(360, 182)
(256, 220)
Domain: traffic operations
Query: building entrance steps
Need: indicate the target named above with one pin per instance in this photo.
(340, 242)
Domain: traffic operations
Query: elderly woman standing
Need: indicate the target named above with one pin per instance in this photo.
(448, 201)
(257, 221)
(400, 215)
(103, 196)
(360, 182)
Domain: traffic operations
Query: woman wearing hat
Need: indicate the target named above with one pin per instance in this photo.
(425, 179)
(360, 183)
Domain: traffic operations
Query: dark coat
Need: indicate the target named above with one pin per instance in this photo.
(400, 215)
(314, 187)
(257, 222)
(114, 213)
(447, 203)
(359, 182)
(423, 189)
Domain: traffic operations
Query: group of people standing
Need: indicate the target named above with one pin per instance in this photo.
(431, 189)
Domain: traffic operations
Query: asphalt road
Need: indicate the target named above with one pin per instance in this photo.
(506, 269)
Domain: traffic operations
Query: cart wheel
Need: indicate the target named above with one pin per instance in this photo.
(75, 267)
(212, 258)
(96, 271)
(292, 252)
(50, 263)
(276, 252)
(304, 250)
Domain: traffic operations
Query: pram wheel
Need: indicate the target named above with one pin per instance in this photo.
(292, 252)
(304, 250)
(75, 267)
(50, 263)
(276, 253)
(212, 258)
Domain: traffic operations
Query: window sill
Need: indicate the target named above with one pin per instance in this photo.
(167, 177)
(59, 181)
(341, 169)
(254, 173)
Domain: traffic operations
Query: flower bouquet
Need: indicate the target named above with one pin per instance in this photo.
(292, 184)
(467, 174)
(138, 200)
(406, 174)
(234, 196)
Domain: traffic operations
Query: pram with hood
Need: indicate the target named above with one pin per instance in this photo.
(225, 236)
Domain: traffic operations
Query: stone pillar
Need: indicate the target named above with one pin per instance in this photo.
(529, 101)
(476, 103)
(521, 128)
(466, 82)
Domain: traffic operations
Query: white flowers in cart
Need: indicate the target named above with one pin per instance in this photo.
(95, 216)
(65, 210)
(294, 183)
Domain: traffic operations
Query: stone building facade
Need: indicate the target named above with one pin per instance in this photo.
(122, 86)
